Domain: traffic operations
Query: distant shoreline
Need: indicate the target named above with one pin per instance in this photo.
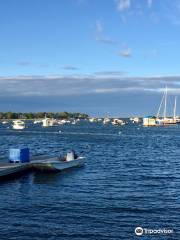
(41, 115)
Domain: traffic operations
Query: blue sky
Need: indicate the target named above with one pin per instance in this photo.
(100, 57)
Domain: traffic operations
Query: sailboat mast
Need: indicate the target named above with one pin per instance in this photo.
(174, 113)
(165, 103)
(158, 113)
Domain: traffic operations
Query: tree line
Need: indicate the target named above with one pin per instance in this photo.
(31, 115)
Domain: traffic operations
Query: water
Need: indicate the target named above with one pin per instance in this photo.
(131, 178)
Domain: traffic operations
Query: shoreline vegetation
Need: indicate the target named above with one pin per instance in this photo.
(40, 115)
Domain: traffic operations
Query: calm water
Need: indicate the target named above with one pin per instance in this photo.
(131, 178)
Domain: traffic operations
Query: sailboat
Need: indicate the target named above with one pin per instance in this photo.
(166, 120)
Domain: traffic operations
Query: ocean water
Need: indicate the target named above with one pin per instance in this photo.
(131, 179)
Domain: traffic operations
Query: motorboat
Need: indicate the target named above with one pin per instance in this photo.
(49, 122)
(18, 124)
(117, 122)
(106, 120)
(56, 163)
(5, 122)
(37, 121)
(92, 120)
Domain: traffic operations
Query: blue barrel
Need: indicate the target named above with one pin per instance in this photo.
(19, 155)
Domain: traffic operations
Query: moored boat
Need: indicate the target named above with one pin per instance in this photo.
(18, 124)
(57, 164)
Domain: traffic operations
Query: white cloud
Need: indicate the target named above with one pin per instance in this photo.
(123, 5)
(67, 85)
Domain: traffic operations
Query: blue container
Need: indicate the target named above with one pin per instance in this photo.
(19, 155)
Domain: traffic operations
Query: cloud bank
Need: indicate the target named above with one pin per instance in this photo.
(98, 83)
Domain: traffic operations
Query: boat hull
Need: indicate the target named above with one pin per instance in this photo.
(54, 164)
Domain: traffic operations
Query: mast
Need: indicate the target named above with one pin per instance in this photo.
(174, 112)
(165, 103)
(160, 105)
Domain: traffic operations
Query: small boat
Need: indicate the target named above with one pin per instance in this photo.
(135, 120)
(63, 121)
(37, 121)
(18, 124)
(92, 120)
(73, 122)
(106, 120)
(49, 122)
(117, 122)
(57, 164)
(5, 122)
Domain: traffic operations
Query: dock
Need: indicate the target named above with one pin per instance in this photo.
(8, 169)
(41, 163)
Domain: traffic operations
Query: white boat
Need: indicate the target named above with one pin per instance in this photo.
(63, 121)
(106, 120)
(37, 121)
(117, 122)
(57, 164)
(161, 118)
(92, 120)
(74, 122)
(49, 122)
(135, 120)
(18, 124)
(166, 120)
(4, 122)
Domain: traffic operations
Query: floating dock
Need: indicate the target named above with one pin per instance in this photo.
(8, 169)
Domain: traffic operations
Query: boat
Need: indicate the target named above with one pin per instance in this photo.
(162, 120)
(135, 120)
(117, 122)
(99, 119)
(166, 120)
(74, 122)
(106, 120)
(18, 124)
(20, 161)
(49, 122)
(57, 164)
(92, 120)
(37, 121)
(5, 122)
(63, 121)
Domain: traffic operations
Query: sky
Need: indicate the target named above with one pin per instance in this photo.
(111, 57)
